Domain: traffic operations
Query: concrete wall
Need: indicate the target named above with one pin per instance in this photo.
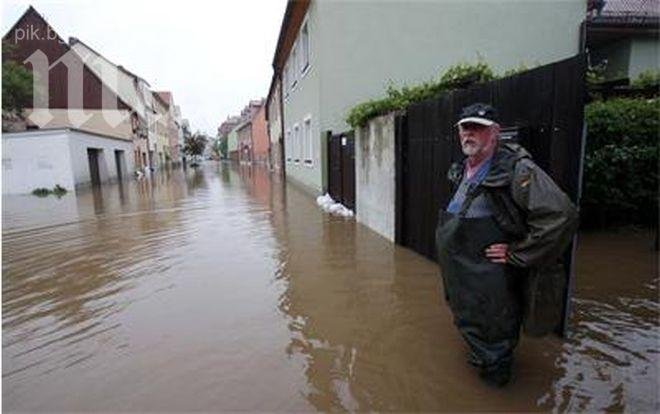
(644, 55)
(375, 188)
(44, 158)
(36, 159)
(361, 52)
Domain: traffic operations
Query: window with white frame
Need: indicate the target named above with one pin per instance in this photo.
(294, 66)
(307, 138)
(296, 143)
(304, 52)
(303, 143)
(288, 146)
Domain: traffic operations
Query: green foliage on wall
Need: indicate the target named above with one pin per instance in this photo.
(458, 76)
(621, 162)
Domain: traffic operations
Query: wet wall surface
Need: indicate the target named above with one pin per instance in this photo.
(221, 289)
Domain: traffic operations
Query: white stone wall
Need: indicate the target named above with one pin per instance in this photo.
(375, 187)
(36, 159)
(45, 158)
(78, 144)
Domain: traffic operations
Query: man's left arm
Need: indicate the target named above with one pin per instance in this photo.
(551, 217)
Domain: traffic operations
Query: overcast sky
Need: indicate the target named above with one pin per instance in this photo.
(213, 55)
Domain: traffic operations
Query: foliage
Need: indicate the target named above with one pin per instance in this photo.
(458, 76)
(522, 67)
(41, 192)
(16, 87)
(595, 74)
(216, 147)
(57, 191)
(195, 144)
(621, 162)
(224, 149)
(647, 79)
(464, 74)
(624, 121)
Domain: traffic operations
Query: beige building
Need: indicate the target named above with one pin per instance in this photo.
(129, 87)
(274, 124)
(172, 123)
(160, 146)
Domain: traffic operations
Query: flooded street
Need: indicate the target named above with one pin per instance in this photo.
(221, 289)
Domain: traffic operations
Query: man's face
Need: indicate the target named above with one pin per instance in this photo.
(477, 139)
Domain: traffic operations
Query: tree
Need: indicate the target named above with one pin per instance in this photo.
(216, 147)
(16, 87)
(223, 147)
(195, 145)
(16, 83)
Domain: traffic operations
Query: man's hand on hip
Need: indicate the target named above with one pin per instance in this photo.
(496, 253)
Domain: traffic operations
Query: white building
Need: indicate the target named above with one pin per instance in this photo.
(67, 157)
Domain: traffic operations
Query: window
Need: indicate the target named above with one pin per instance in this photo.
(294, 65)
(307, 137)
(304, 53)
(288, 148)
(296, 143)
(303, 143)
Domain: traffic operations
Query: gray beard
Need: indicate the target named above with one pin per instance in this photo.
(470, 150)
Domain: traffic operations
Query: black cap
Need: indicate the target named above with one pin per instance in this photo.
(478, 113)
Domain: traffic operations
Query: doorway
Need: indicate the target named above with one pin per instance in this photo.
(119, 163)
(93, 159)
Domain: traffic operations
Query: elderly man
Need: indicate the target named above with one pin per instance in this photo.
(500, 241)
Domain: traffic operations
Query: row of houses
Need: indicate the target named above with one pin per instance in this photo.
(91, 120)
(245, 134)
(333, 55)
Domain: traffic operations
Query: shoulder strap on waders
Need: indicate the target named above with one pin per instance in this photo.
(472, 193)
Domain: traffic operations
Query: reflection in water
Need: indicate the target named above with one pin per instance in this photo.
(220, 288)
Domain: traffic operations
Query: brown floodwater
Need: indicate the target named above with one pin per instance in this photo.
(222, 289)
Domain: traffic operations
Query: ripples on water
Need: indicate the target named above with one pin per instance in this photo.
(221, 289)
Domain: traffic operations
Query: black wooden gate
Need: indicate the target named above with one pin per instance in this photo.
(341, 168)
(544, 107)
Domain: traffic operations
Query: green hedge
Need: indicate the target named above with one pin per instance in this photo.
(621, 162)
